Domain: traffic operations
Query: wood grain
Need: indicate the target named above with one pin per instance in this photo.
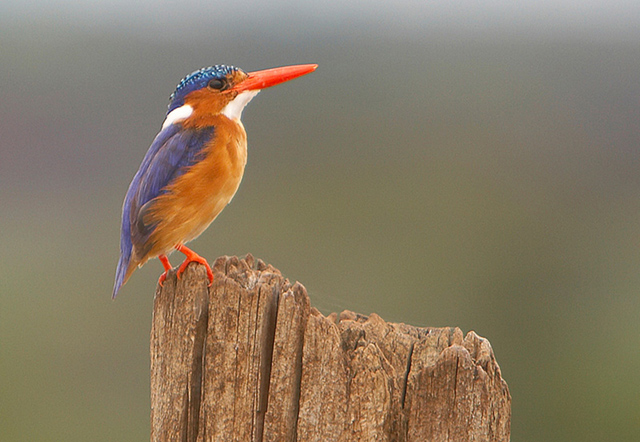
(248, 359)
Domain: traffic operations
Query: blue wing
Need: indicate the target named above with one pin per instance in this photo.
(171, 154)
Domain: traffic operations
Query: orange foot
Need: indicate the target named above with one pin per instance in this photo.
(167, 266)
(193, 257)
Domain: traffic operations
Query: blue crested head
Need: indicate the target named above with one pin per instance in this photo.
(197, 80)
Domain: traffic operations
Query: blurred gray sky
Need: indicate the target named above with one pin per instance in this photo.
(613, 19)
(451, 162)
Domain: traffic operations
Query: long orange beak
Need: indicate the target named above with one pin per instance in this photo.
(271, 77)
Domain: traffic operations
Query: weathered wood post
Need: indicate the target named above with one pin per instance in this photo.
(248, 359)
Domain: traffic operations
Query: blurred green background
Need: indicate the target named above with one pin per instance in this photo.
(472, 164)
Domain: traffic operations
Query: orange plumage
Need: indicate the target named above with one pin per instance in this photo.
(193, 168)
(196, 198)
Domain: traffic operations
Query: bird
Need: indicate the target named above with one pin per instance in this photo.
(193, 167)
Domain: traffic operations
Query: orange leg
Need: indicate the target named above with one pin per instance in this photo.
(167, 266)
(193, 257)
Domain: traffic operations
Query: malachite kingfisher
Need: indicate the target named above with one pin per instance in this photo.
(193, 168)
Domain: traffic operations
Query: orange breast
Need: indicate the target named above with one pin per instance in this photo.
(196, 198)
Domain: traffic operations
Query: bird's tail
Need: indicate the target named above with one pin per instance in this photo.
(126, 266)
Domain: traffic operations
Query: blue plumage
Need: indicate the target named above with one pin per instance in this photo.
(197, 80)
(170, 201)
(171, 154)
(176, 153)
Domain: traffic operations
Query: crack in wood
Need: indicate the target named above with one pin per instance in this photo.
(250, 360)
(196, 390)
(298, 288)
(406, 376)
(266, 357)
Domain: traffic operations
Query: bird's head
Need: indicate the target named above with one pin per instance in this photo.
(226, 90)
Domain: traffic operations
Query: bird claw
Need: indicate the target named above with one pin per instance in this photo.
(167, 266)
(162, 278)
(193, 257)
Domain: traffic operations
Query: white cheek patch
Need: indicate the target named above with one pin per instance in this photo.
(178, 114)
(233, 110)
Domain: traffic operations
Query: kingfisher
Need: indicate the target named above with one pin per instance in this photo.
(193, 168)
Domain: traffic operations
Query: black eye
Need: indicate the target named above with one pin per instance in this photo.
(217, 84)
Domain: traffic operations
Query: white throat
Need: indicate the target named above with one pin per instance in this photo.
(233, 110)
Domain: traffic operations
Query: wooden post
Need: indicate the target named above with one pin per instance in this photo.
(248, 359)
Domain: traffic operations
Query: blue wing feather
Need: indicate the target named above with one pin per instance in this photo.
(171, 154)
